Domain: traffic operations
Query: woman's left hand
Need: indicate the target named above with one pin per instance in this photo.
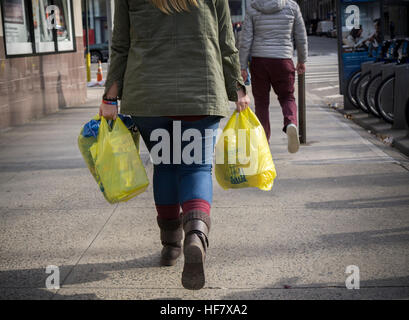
(243, 101)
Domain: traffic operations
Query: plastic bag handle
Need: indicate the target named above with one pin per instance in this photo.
(110, 123)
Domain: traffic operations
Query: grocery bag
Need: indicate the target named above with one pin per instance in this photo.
(113, 160)
(243, 157)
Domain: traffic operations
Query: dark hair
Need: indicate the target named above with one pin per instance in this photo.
(377, 22)
(354, 32)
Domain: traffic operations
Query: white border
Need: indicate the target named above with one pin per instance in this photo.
(66, 45)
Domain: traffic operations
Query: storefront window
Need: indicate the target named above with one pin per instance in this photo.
(396, 23)
(37, 26)
(16, 27)
(64, 26)
(44, 41)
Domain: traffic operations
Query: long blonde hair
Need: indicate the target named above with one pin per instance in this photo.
(168, 6)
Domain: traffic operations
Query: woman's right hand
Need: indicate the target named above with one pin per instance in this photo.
(108, 111)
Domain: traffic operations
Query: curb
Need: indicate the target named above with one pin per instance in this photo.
(399, 139)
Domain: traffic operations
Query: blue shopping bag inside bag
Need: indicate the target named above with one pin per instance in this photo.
(111, 153)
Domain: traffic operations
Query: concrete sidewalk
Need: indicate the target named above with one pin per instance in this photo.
(342, 200)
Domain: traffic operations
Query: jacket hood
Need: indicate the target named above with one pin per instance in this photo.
(268, 6)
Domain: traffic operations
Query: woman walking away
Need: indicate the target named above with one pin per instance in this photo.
(174, 65)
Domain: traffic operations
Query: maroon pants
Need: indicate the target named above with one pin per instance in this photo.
(279, 74)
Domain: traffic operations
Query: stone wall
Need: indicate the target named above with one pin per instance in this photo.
(35, 85)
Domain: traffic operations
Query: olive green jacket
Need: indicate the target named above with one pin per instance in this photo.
(179, 64)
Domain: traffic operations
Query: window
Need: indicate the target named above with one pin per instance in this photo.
(64, 26)
(16, 27)
(44, 40)
(37, 26)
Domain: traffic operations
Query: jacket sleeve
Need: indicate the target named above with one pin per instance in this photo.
(246, 40)
(300, 36)
(229, 52)
(120, 47)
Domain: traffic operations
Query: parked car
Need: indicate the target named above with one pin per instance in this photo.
(99, 51)
(325, 28)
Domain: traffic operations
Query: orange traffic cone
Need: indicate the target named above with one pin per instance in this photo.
(99, 72)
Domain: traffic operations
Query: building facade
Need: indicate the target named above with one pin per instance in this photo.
(314, 11)
(317, 9)
(97, 21)
(42, 65)
(394, 17)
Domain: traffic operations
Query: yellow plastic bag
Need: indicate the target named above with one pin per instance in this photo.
(113, 160)
(243, 157)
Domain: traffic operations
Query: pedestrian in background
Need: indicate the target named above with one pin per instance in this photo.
(355, 38)
(268, 32)
(166, 66)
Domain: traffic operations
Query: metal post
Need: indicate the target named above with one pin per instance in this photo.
(88, 55)
(301, 109)
(109, 22)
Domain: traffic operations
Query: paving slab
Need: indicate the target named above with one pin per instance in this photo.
(326, 242)
(236, 295)
(32, 239)
(342, 200)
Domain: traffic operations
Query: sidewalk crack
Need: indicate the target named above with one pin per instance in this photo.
(82, 255)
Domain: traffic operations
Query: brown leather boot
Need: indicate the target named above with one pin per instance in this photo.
(171, 235)
(196, 225)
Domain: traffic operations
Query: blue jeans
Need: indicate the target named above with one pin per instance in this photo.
(178, 182)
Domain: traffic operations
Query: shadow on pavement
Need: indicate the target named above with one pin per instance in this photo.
(382, 180)
(30, 283)
(46, 164)
(376, 237)
(363, 203)
(288, 289)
